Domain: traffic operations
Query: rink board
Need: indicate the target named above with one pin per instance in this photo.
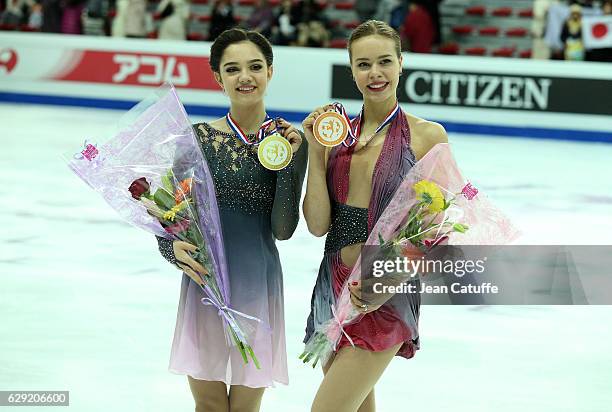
(486, 96)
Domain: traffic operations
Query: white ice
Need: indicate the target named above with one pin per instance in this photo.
(88, 305)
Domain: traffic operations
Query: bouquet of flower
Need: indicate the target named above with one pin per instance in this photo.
(173, 206)
(429, 223)
(433, 205)
(154, 175)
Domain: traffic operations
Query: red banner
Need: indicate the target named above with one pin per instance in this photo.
(139, 69)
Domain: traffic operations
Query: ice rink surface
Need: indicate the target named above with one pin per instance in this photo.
(88, 305)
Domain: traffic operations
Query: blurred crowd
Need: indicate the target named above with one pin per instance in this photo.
(295, 23)
(557, 25)
(123, 18)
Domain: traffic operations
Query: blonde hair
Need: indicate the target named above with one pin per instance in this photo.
(375, 27)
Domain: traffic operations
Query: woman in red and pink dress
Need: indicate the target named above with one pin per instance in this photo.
(348, 189)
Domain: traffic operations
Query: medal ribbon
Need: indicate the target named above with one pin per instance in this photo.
(351, 138)
(262, 133)
(354, 134)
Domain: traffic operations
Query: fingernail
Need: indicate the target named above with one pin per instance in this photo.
(355, 283)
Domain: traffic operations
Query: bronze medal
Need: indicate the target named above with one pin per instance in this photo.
(330, 129)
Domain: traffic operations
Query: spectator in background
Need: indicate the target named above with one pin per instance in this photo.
(313, 34)
(284, 31)
(433, 7)
(95, 17)
(309, 10)
(71, 17)
(222, 18)
(540, 48)
(312, 30)
(420, 30)
(35, 19)
(558, 13)
(262, 19)
(571, 35)
(130, 20)
(392, 12)
(174, 16)
(366, 9)
(16, 12)
(51, 16)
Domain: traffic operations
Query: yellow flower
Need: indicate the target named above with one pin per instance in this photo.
(430, 194)
(171, 214)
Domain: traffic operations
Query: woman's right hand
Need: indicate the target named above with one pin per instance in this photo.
(188, 264)
(308, 125)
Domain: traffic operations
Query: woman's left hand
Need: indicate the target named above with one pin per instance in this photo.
(290, 133)
(363, 307)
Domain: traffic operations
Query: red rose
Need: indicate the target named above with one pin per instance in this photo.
(139, 187)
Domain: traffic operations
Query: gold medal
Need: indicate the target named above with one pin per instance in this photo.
(330, 129)
(274, 152)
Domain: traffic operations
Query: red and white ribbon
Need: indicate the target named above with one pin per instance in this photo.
(262, 133)
(354, 133)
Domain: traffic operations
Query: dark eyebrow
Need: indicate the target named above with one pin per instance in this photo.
(379, 57)
(250, 61)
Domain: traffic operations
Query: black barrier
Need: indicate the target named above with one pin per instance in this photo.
(490, 91)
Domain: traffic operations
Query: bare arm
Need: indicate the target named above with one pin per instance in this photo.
(286, 207)
(317, 206)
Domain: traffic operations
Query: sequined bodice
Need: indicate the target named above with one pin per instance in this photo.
(241, 182)
(349, 225)
(243, 185)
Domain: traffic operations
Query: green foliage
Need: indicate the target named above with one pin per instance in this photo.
(163, 199)
(167, 181)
